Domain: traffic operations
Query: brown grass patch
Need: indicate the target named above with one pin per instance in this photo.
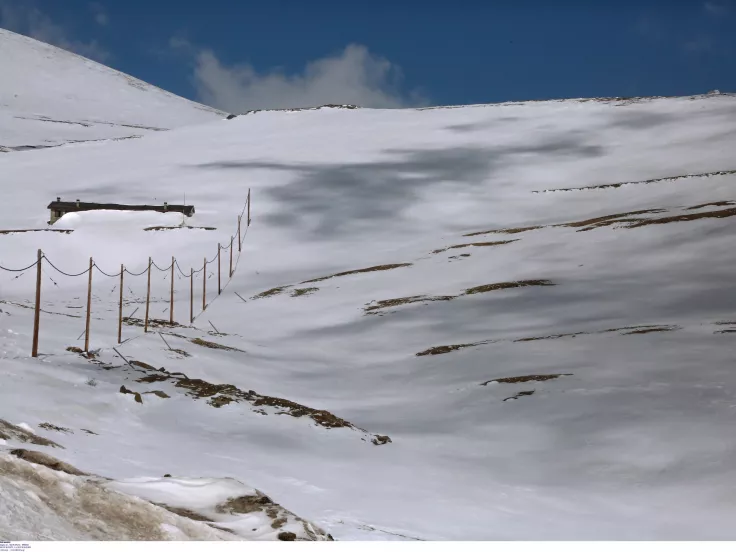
(608, 220)
(506, 285)
(212, 345)
(220, 395)
(183, 512)
(389, 303)
(713, 204)
(476, 244)
(378, 268)
(12, 432)
(152, 323)
(42, 459)
(271, 292)
(444, 349)
(723, 213)
(646, 330)
(125, 391)
(526, 379)
(504, 231)
(38, 230)
(303, 291)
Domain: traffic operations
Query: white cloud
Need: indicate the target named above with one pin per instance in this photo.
(26, 19)
(99, 13)
(355, 76)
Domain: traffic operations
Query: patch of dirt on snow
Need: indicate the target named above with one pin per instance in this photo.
(519, 395)
(378, 268)
(723, 213)
(506, 285)
(304, 291)
(650, 181)
(271, 292)
(35, 457)
(212, 345)
(220, 395)
(152, 323)
(375, 306)
(526, 379)
(713, 204)
(12, 432)
(476, 244)
(51, 427)
(504, 231)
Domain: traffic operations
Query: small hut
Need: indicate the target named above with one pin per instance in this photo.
(60, 208)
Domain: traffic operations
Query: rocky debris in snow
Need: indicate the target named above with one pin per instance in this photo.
(12, 432)
(520, 394)
(51, 427)
(220, 395)
(525, 379)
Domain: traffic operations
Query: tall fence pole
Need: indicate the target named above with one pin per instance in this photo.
(191, 296)
(120, 306)
(232, 241)
(148, 296)
(171, 302)
(89, 307)
(37, 312)
(219, 270)
(248, 207)
(204, 285)
(240, 242)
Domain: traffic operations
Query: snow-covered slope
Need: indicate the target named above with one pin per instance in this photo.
(546, 364)
(49, 96)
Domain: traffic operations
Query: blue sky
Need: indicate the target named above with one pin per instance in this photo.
(241, 55)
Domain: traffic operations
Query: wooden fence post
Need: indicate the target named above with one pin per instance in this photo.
(148, 296)
(232, 241)
(89, 307)
(171, 302)
(219, 271)
(240, 243)
(204, 285)
(37, 312)
(120, 306)
(191, 296)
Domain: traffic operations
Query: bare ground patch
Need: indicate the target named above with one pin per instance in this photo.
(35, 457)
(650, 181)
(503, 231)
(219, 395)
(51, 427)
(374, 306)
(271, 292)
(476, 244)
(12, 432)
(519, 395)
(160, 228)
(506, 285)
(526, 379)
(300, 292)
(152, 323)
(212, 345)
(713, 204)
(378, 268)
(629, 330)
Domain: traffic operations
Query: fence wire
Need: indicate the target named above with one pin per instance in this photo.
(152, 264)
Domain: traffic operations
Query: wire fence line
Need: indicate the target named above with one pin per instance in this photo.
(234, 240)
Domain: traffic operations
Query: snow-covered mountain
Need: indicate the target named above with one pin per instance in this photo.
(49, 96)
(509, 321)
